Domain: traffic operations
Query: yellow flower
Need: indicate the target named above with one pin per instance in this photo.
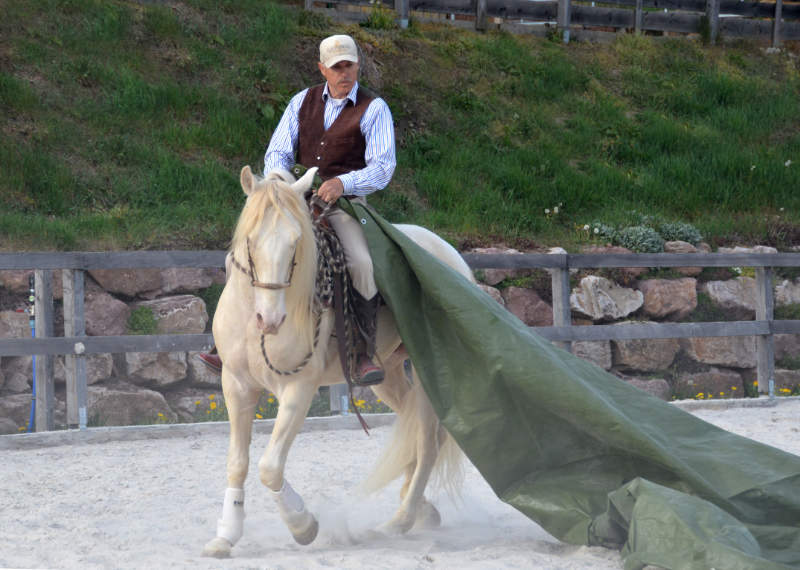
(270, 399)
(755, 383)
(259, 416)
(360, 403)
(786, 390)
(213, 405)
(722, 393)
(208, 411)
(700, 396)
(733, 388)
(160, 415)
(21, 428)
(211, 396)
(379, 400)
(197, 403)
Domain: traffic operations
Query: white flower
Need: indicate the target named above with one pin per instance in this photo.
(787, 163)
(753, 167)
(597, 230)
(555, 210)
(547, 211)
(781, 210)
(586, 227)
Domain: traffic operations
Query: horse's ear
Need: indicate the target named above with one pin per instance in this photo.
(305, 181)
(247, 180)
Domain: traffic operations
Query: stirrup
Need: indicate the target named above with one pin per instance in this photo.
(368, 373)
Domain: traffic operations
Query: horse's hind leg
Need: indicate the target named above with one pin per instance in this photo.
(241, 402)
(419, 472)
(295, 400)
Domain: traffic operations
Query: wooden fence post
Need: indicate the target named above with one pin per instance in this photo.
(401, 7)
(481, 18)
(563, 19)
(637, 18)
(45, 388)
(776, 24)
(765, 344)
(338, 397)
(562, 316)
(712, 13)
(74, 364)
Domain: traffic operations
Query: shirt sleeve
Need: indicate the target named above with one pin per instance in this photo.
(283, 144)
(378, 130)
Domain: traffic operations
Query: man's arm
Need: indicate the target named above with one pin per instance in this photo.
(283, 144)
(378, 129)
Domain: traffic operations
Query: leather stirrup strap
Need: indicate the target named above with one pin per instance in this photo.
(341, 341)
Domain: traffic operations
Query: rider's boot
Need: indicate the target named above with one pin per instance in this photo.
(212, 360)
(367, 373)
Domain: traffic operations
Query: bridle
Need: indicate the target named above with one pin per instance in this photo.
(321, 299)
(251, 271)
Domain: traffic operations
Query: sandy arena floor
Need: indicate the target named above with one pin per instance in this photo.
(154, 504)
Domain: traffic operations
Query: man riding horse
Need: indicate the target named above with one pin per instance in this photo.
(347, 132)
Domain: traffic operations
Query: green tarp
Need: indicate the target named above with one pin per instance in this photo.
(591, 459)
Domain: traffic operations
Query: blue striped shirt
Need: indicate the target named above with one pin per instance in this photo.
(376, 126)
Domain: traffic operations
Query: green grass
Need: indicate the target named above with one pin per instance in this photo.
(125, 126)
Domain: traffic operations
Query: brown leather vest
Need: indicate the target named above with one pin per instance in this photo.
(341, 148)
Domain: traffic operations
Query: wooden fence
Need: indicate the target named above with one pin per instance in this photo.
(76, 344)
(776, 21)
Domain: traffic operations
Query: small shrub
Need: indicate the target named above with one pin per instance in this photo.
(210, 295)
(641, 239)
(708, 312)
(603, 231)
(142, 321)
(380, 18)
(789, 363)
(680, 231)
(788, 312)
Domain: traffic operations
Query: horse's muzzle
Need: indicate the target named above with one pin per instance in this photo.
(271, 326)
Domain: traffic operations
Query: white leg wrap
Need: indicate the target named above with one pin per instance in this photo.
(231, 525)
(291, 507)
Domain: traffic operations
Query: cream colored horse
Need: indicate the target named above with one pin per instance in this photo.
(272, 297)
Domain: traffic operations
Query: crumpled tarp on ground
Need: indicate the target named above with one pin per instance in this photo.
(591, 459)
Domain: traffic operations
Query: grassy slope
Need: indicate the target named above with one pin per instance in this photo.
(124, 125)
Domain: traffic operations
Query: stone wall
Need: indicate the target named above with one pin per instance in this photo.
(167, 387)
(123, 389)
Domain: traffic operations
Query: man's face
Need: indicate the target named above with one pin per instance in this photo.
(340, 77)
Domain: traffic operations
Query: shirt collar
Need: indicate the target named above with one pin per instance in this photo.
(352, 95)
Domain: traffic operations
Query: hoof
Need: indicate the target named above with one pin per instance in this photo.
(428, 517)
(308, 535)
(397, 526)
(218, 548)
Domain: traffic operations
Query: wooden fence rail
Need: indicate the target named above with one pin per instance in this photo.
(776, 21)
(75, 344)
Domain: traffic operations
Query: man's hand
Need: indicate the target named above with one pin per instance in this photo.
(331, 190)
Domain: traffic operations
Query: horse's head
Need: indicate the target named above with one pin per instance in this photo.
(274, 243)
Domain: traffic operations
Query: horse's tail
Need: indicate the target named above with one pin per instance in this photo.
(400, 454)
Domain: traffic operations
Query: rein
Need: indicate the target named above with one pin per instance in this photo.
(323, 296)
(331, 288)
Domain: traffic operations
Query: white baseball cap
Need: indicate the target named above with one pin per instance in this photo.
(338, 48)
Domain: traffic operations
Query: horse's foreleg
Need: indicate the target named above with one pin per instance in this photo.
(294, 403)
(240, 402)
